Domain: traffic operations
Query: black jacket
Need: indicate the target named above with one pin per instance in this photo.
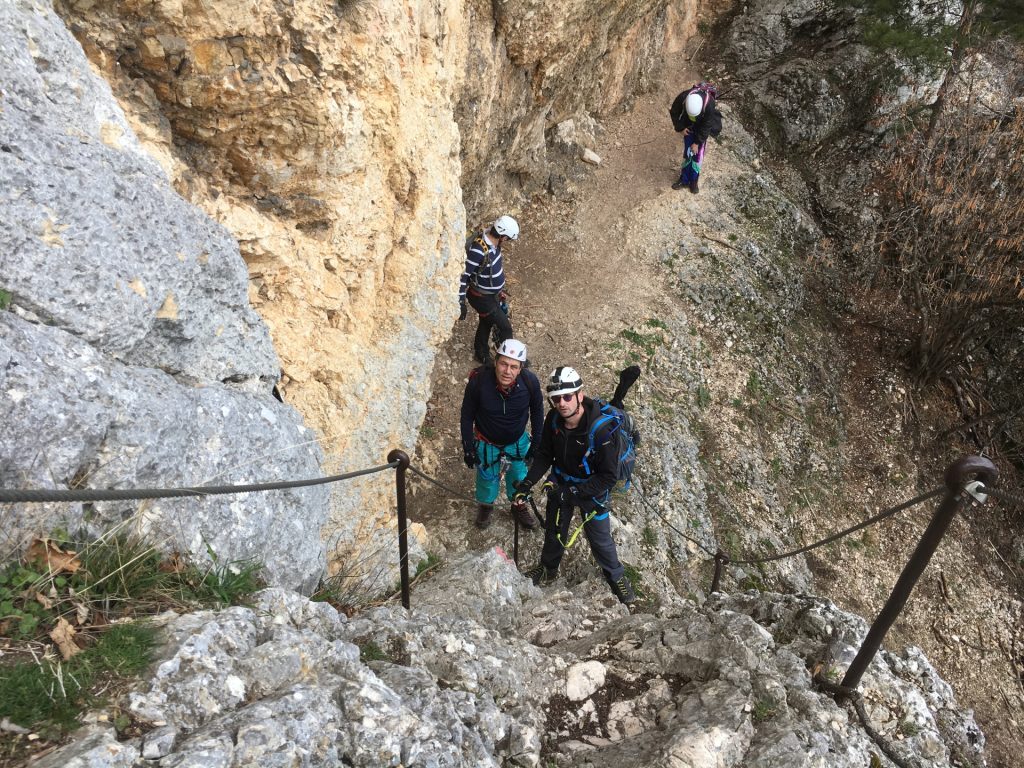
(501, 418)
(708, 122)
(564, 449)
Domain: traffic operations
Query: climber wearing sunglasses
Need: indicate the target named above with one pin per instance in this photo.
(581, 477)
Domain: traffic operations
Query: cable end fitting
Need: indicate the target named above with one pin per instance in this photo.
(401, 457)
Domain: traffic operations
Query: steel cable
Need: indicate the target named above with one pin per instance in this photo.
(870, 521)
(134, 494)
(836, 536)
(442, 486)
(664, 519)
(1002, 495)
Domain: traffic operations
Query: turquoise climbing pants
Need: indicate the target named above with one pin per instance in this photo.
(488, 471)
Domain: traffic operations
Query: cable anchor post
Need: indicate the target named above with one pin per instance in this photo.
(958, 477)
(721, 560)
(403, 524)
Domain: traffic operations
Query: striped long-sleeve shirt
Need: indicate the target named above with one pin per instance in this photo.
(483, 267)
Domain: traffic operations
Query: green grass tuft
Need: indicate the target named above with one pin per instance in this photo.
(48, 696)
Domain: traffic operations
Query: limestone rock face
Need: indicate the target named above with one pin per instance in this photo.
(723, 684)
(129, 356)
(322, 135)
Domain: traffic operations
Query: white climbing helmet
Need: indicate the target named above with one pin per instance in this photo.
(508, 227)
(513, 349)
(694, 104)
(564, 380)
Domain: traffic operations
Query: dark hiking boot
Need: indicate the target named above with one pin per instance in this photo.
(678, 184)
(483, 515)
(540, 575)
(693, 186)
(523, 515)
(623, 590)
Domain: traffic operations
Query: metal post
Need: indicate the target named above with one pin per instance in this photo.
(957, 476)
(403, 540)
(515, 540)
(720, 560)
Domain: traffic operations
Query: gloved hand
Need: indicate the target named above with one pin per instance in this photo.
(502, 296)
(522, 491)
(469, 456)
(462, 309)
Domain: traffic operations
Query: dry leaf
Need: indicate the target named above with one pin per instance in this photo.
(57, 560)
(174, 563)
(44, 601)
(81, 613)
(63, 635)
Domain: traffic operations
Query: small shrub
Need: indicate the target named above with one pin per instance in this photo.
(432, 561)
(647, 342)
(752, 581)
(703, 396)
(763, 710)
(5, 299)
(370, 651)
(910, 728)
(48, 695)
(80, 590)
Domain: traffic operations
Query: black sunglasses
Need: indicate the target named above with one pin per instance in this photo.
(564, 398)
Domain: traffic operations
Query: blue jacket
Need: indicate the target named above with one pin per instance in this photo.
(501, 418)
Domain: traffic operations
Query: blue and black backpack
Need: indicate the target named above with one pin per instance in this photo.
(620, 427)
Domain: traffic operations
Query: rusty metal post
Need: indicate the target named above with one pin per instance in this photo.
(957, 476)
(720, 560)
(403, 524)
(515, 541)
(536, 513)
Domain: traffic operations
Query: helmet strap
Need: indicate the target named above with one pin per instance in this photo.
(579, 404)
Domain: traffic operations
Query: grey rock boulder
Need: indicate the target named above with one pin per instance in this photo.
(78, 419)
(95, 239)
(130, 356)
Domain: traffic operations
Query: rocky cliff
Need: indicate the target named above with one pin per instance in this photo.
(334, 141)
(519, 677)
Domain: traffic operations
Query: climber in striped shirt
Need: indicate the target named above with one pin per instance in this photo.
(482, 284)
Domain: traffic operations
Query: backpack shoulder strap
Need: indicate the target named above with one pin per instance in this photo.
(607, 415)
(485, 251)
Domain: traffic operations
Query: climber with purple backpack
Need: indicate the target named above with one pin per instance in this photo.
(695, 115)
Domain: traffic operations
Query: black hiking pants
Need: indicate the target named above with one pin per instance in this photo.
(597, 530)
(491, 315)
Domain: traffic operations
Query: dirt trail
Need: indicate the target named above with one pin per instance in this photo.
(573, 287)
